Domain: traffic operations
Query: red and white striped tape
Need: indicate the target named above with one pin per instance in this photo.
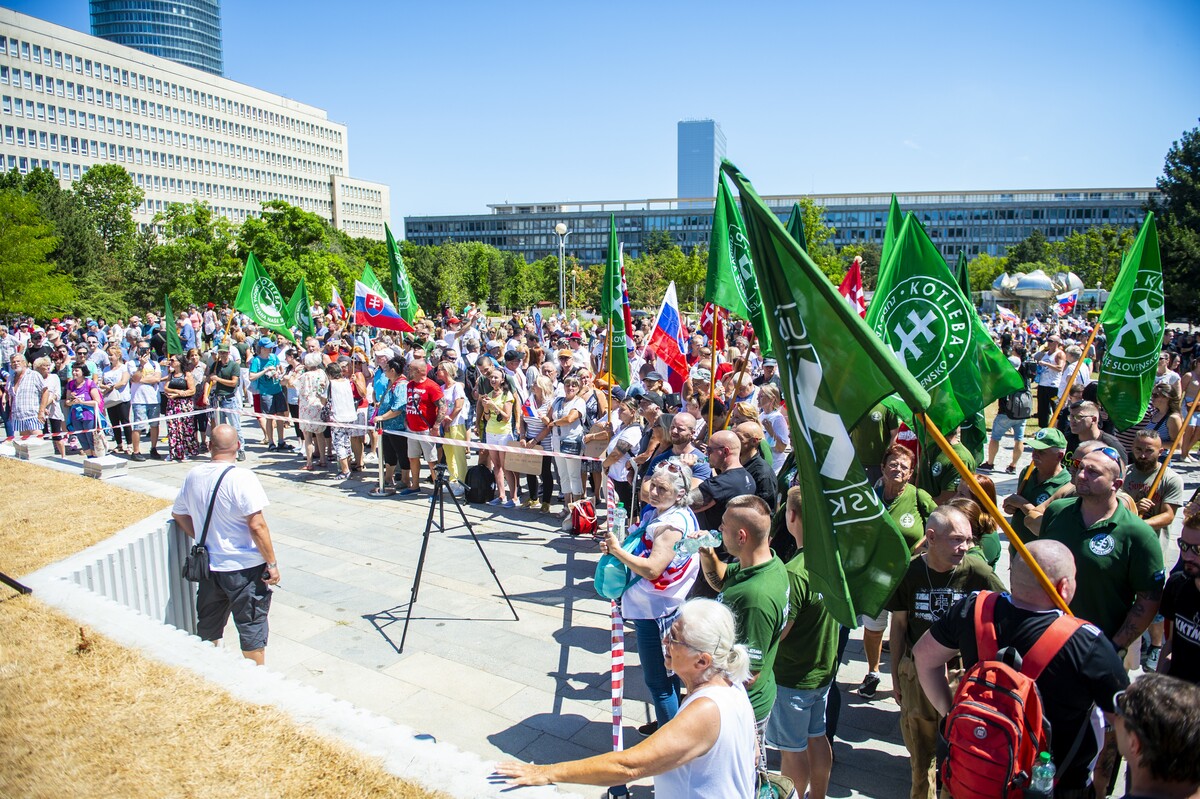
(618, 675)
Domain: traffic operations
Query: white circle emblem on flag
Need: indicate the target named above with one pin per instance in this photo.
(267, 302)
(928, 324)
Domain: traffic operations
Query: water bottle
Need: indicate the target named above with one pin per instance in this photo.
(690, 545)
(1043, 776)
(620, 521)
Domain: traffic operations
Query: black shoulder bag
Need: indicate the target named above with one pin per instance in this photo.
(195, 565)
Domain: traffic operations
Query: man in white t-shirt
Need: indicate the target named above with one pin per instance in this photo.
(240, 554)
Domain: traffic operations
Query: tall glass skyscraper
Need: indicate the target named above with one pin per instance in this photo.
(185, 31)
(700, 148)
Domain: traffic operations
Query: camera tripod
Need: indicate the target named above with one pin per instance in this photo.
(437, 507)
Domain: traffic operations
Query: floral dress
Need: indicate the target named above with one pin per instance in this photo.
(181, 433)
(312, 389)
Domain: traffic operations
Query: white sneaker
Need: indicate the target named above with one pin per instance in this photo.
(457, 490)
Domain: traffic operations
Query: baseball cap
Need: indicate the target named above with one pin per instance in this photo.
(770, 362)
(265, 341)
(654, 376)
(576, 335)
(223, 346)
(701, 374)
(653, 397)
(1047, 438)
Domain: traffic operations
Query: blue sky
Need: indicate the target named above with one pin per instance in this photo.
(460, 104)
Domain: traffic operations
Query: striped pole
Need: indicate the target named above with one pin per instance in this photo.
(618, 653)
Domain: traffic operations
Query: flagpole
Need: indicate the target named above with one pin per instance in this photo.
(608, 345)
(1162, 470)
(712, 369)
(989, 506)
(1066, 392)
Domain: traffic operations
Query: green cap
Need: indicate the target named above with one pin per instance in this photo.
(1047, 438)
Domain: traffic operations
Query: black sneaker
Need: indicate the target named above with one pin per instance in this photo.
(137, 457)
(870, 685)
(648, 729)
(154, 456)
(241, 456)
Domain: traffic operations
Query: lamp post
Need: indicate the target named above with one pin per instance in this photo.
(561, 230)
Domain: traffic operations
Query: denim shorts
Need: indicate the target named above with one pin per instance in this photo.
(141, 412)
(240, 593)
(799, 714)
(1003, 424)
(274, 404)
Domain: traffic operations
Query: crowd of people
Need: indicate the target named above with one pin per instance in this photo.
(737, 648)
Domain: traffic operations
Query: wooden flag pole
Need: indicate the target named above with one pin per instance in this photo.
(1066, 392)
(986, 503)
(1162, 470)
(608, 345)
(712, 369)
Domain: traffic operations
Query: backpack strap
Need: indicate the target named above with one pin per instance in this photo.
(1051, 641)
(985, 625)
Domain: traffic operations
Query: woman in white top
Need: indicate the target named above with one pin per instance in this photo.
(54, 414)
(708, 750)
(342, 408)
(625, 435)
(566, 426)
(536, 435)
(1074, 353)
(666, 578)
(452, 415)
(1050, 361)
(114, 387)
(774, 423)
(311, 389)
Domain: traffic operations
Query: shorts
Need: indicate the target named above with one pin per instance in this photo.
(142, 411)
(500, 439)
(361, 420)
(1002, 424)
(242, 593)
(798, 714)
(274, 404)
(418, 447)
(878, 624)
(1195, 420)
(393, 448)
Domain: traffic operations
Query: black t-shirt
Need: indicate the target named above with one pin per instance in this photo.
(227, 372)
(32, 353)
(1181, 609)
(721, 488)
(765, 482)
(1087, 671)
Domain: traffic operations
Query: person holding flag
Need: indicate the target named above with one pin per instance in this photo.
(613, 312)
(666, 342)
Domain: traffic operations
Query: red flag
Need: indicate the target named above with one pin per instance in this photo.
(851, 288)
(337, 305)
(714, 313)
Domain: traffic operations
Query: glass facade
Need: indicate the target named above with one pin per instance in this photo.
(973, 222)
(185, 31)
(699, 150)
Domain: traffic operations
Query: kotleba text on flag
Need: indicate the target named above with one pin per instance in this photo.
(259, 298)
(406, 298)
(374, 309)
(731, 281)
(667, 343)
(612, 310)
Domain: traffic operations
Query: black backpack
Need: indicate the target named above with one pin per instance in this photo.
(1017, 405)
(481, 487)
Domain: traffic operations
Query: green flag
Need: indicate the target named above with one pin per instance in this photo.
(974, 429)
(731, 282)
(1133, 328)
(834, 369)
(611, 310)
(370, 281)
(174, 344)
(260, 299)
(962, 276)
(919, 311)
(795, 226)
(299, 310)
(402, 290)
(891, 230)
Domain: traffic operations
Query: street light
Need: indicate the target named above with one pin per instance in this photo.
(561, 230)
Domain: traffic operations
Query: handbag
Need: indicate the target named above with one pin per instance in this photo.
(195, 565)
(769, 785)
(613, 577)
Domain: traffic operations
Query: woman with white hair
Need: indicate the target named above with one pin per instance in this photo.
(708, 750)
(666, 578)
(312, 390)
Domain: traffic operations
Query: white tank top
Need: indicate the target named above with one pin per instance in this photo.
(727, 770)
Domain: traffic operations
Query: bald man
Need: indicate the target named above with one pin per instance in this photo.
(1084, 675)
(729, 479)
(240, 553)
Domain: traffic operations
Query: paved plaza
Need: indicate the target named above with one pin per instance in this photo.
(536, 689)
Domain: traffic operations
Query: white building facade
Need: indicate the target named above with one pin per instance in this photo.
(69, 101)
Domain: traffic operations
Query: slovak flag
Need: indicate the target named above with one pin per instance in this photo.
(718, 316)
(666, 341)
(1066, 302)
(851, 287)
(376, 310)
(337, 304)
(1007, 315)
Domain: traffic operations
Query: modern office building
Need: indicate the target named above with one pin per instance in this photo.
(699, 149)
(69, 101)
(184, 31)
(974, 222)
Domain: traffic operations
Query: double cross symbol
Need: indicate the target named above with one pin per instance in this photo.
(908, 340)
(1134, 323)
(374, 303)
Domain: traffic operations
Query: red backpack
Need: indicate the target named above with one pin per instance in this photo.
(583, 518)
(995, 729)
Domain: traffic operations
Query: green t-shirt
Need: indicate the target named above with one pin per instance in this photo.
(227, 372)
(808, 655)
(758, 597)
(988, 548)
(872, 434)
(909, 510)
(1037, 493)
(1114, 559)
(941, 474)
(927, 595)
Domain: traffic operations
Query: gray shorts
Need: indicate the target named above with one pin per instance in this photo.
(798, 715)
(419, 447)
(141, 412)
(274, 404)
(242, 594)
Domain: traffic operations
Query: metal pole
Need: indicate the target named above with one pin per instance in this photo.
(562, 289)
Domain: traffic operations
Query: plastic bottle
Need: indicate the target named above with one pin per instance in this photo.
(689, 545)
(620, 521)
(1043, 776)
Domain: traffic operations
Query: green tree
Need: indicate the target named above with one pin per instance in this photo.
(657, 241)
(820, 245)
(1032, 249)
(1177, 214)
(109, 195)
(984, 269)
(195, 261)
(1094, 254)
(29, 282)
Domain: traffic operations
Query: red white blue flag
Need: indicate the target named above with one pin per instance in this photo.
(336, 304)
(1066, 302)
(1007, 315)
(666, 341)
(374, 309)
(852, 289)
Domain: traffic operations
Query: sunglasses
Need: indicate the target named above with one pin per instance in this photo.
(1185, 547)
(670, 638)
(1108, 451)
